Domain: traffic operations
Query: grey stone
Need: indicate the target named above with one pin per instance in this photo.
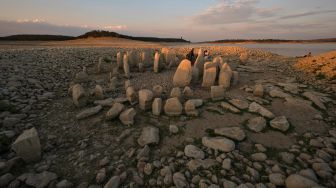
(219, 143)
(234, 133)
(149, 135)
(280, 123)
(193, 152)
(89, 112)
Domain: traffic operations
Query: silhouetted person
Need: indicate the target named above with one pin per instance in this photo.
(191, 56)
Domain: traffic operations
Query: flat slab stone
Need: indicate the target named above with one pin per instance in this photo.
(219, 143)
(89, 112)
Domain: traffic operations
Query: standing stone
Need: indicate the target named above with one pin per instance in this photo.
(99, 92)
(176, 92)
(113, 83)
(28, 146)
(195, 75)
(157, 106)
(127, 84)
(149, 135)
(183, 74)
(190, 108)
(188, 92)
(145, 99)
(99, 65)
(114, 111)
(89, 112)
(131, 95)
(79, 96)
(126, 66)
(173, 107)
(127, 117)
(217, 93)
(193, 152)
(199, 63)
(119, 60)
(219, 143)
(258, 90)
(210, 73)
(235, 78)
(280, 123)
(141, 67)
(157, 91)
(146, 59)
(132, 58)
(256, 124)
(225, 76)
(156, 62)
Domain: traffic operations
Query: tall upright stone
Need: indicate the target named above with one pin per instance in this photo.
(156, 62)
(99, 92)
(79, 96)
(183, 74)
(99, 65)
(145, 99)
(210, 73)
(225, 76)
(157, 106)
(199, 63)
(131, 95)
(119, 60)
(132, 58)
(126, 67)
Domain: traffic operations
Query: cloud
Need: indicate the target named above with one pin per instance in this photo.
(40, 26)
(307, 13)
(232, 11)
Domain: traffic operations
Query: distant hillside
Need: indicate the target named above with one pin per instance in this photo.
(269, 40)
(36, 38)
(95, 33)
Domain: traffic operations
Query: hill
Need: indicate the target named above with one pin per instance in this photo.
(94, 34)
(270, 40)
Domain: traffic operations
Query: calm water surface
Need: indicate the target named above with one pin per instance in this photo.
(287, 49)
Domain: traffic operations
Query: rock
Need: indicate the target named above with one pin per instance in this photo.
(219, 143)
(280, 123)
(64, 184)
(149, 135)
(126, 66)
(179, 180)
(259, 157)
(229, 184)
(127, 84)
(277, 179)
(193, 152)
(157, 106)
(195, 75)
(297, 181)
(279, 94)
(240, 104)
(119, 60)
(234, 133)
(89, 112)
(183, 74)
(197, 102)
(225, 76)
(131, 95)
(229, 107)
(226, 164)
(99, 92)
(6, 179)
(28, 146)
(217, 93)
(258, 90)
(114, 111)
(176, 92)
(157, 62)
(308, 173)
(210, 73)
(104, 103)
(287, 157)
(145, 99)
(190, 108)
(114, 182)
(199, 63)
(127, 116)
(148, 169)
(188, 92)
(79, 96)
(256, 124)
(38, 180)
(315, 99)
(235, 78)
(173, 107)
(257, 108)
(157, 91)
(173, 129)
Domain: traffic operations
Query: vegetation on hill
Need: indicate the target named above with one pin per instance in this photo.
(36, 38)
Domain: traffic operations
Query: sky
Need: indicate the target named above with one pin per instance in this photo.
(195, 20)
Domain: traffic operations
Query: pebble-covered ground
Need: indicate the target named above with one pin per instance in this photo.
(274, 128)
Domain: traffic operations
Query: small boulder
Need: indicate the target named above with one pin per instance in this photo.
(193, 152)
(114, 111)
(79, 96)
(28, 146)
(173, 107)
(217, 93)
(257, 108)
(127, 116)
(240, 104)
(219, 143)
(234, 133)
(99, 92)
(149, 135)
(89, 112)
(280, 123)
(176, 92)
(131, 95)
(258, 90)
(190, 108)
(188, 92)
(227, 106)
(256, 124)
(297, 181)
(157, 91)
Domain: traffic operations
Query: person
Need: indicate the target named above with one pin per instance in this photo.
(206, 53)
(191, 56)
